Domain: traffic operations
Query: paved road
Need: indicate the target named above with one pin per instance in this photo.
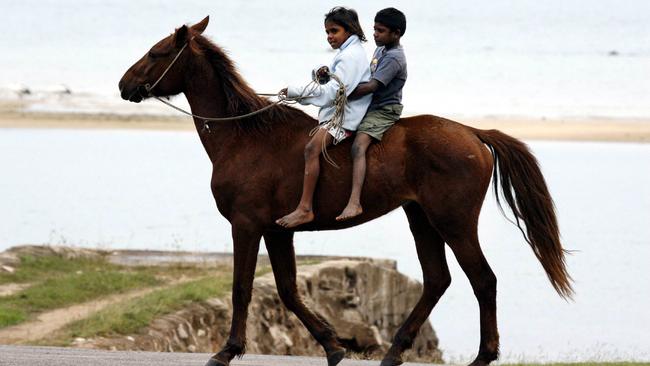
(53, 356)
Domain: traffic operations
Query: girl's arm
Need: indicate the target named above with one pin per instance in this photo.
(349, 70)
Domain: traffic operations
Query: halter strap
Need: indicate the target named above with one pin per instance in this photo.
(148, 87)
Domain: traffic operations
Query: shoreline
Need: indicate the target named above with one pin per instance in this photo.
(522, 127)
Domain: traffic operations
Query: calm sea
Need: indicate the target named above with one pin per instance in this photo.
(466, 57)
(150, 190)
(109, 189)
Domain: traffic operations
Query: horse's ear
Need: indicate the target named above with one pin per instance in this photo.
(199, 27)
(181, 36)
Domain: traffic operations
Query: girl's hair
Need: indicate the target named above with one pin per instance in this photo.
(346, 18)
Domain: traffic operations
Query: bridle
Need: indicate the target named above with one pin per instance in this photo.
(307, 90)
(148, 88)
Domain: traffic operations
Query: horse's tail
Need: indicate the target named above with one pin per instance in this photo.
(524, 189)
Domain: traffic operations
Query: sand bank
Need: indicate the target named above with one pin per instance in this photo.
(528, 128)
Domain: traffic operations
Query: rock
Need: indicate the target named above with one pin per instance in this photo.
(182, 334)
(12, 288)
(59, 250)
(9, 259)
(364, 300)
(8, 269)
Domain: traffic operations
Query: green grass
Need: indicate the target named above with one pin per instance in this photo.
(10, 315)
(58, 282)
(36, 268)
(129, 317)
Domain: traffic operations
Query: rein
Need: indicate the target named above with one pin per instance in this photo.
(149, 88)
(336, 122)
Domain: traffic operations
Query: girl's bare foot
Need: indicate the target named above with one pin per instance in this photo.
(297, 217)
(350, 211)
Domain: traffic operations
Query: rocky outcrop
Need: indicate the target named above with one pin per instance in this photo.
(364, 300)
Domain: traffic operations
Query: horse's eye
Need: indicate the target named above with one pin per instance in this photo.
(156, 55)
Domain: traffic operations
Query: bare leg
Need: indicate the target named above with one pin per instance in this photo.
(361, 143)
(282, 256)
(304, 212)
(246, 246)
(431, 253)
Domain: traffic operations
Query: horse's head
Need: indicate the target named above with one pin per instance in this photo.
(160, 71)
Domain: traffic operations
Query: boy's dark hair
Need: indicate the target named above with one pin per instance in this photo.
(346, 18)
(393, 19)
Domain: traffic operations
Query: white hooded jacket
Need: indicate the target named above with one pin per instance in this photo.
(351, 66)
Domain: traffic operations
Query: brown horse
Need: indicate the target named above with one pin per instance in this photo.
(437, 170)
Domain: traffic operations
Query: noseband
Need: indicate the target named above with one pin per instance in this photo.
(148, 88)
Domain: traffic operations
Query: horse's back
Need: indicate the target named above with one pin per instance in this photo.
(450, 145)
(437, 152)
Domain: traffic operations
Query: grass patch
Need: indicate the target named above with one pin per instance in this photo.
(10, 315)
(36, 268)
(129, 317)
(59, 282)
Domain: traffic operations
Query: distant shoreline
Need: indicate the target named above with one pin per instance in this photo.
(527, 128)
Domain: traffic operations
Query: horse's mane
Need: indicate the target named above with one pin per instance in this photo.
(240, 97)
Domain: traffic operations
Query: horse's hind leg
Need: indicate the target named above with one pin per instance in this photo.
(461, 234)
(431, 253)
(283, 260)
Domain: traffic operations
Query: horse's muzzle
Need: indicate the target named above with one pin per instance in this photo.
(133, 94)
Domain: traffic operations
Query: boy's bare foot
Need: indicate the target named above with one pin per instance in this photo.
(350, 211)
(297, 217)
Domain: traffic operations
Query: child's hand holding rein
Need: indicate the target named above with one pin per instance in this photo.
(322, 75)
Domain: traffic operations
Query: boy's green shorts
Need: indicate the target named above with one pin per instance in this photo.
(378, 121)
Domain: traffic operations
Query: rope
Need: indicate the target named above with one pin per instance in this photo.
(150, 88)
(206, 120)
(335, 123)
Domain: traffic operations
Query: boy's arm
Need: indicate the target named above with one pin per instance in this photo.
(388, 69)
(364, 89)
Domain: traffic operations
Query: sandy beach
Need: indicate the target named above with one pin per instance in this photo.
(527, 128)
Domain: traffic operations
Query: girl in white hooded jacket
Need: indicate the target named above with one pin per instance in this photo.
(351, 66)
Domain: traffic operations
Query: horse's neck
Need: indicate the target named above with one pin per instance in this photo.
(207, 99)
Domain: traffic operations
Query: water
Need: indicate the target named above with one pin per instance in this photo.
(468, 57)
(150, 190)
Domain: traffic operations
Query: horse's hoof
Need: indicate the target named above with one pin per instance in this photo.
(334, 358)
(391, 362)
(215, 362)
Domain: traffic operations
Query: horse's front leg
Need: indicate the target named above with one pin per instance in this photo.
(246, 243)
